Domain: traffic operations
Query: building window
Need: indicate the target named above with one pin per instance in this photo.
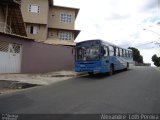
(33, 29)
(51, 34)
(4, 46)
(67, 18)
(34, 8)
(65, 35)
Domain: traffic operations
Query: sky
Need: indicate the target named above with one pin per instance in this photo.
(127, 23)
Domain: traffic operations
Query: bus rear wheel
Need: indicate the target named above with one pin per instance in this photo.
(111, 72)
(127, 67)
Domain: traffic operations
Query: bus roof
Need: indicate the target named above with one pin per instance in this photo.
(104, 42)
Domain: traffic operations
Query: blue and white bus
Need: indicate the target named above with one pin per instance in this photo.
(98, 56)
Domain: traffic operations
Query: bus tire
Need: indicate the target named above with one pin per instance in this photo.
(111, 72)
(127, 67)
(90, 73)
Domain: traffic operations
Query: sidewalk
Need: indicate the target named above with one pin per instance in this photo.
(17, 82)
(157, 68)
(40, 79)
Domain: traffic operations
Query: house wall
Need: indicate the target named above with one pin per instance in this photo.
(54, 18)
(53, 34)
(40, 58)
(42, 32)
(29, 17)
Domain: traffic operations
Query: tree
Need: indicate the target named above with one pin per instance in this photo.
(156, 60)
(136, 55)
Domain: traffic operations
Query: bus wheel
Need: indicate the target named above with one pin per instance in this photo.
(111, 70)
(90, 73)
(127, 67)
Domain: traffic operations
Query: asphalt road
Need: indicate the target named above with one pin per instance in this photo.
(134, 91)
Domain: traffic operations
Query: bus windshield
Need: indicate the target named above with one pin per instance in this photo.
(86, 53)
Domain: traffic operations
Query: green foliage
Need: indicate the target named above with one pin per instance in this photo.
(156, 60)
(136, 55)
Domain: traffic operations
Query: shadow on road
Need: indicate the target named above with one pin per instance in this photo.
(98, 76)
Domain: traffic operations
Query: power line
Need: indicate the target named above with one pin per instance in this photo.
(141, 44)
(152, 31)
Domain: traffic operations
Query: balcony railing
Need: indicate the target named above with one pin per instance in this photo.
(5, 28)
(17, 1)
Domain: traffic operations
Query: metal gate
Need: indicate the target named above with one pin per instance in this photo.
(10, 57)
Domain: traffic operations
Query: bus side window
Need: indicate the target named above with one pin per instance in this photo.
(125, 55)
(103, 51)
(106, 53)
(114, 51)
(128, 54)
(122, 53)
(111, 50)
(118, 51)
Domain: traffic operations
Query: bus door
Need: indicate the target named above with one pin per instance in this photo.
(105, 58)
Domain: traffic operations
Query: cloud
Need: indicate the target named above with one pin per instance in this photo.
(115, 16)
(152, 20)
(149, 5)
(135, 35)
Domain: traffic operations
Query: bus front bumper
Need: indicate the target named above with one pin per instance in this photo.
(88, 67)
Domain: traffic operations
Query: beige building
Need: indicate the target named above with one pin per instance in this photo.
(49, 23)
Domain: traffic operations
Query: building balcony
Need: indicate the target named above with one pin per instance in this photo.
(5, 28)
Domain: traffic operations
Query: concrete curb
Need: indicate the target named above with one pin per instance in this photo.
(157, 68)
